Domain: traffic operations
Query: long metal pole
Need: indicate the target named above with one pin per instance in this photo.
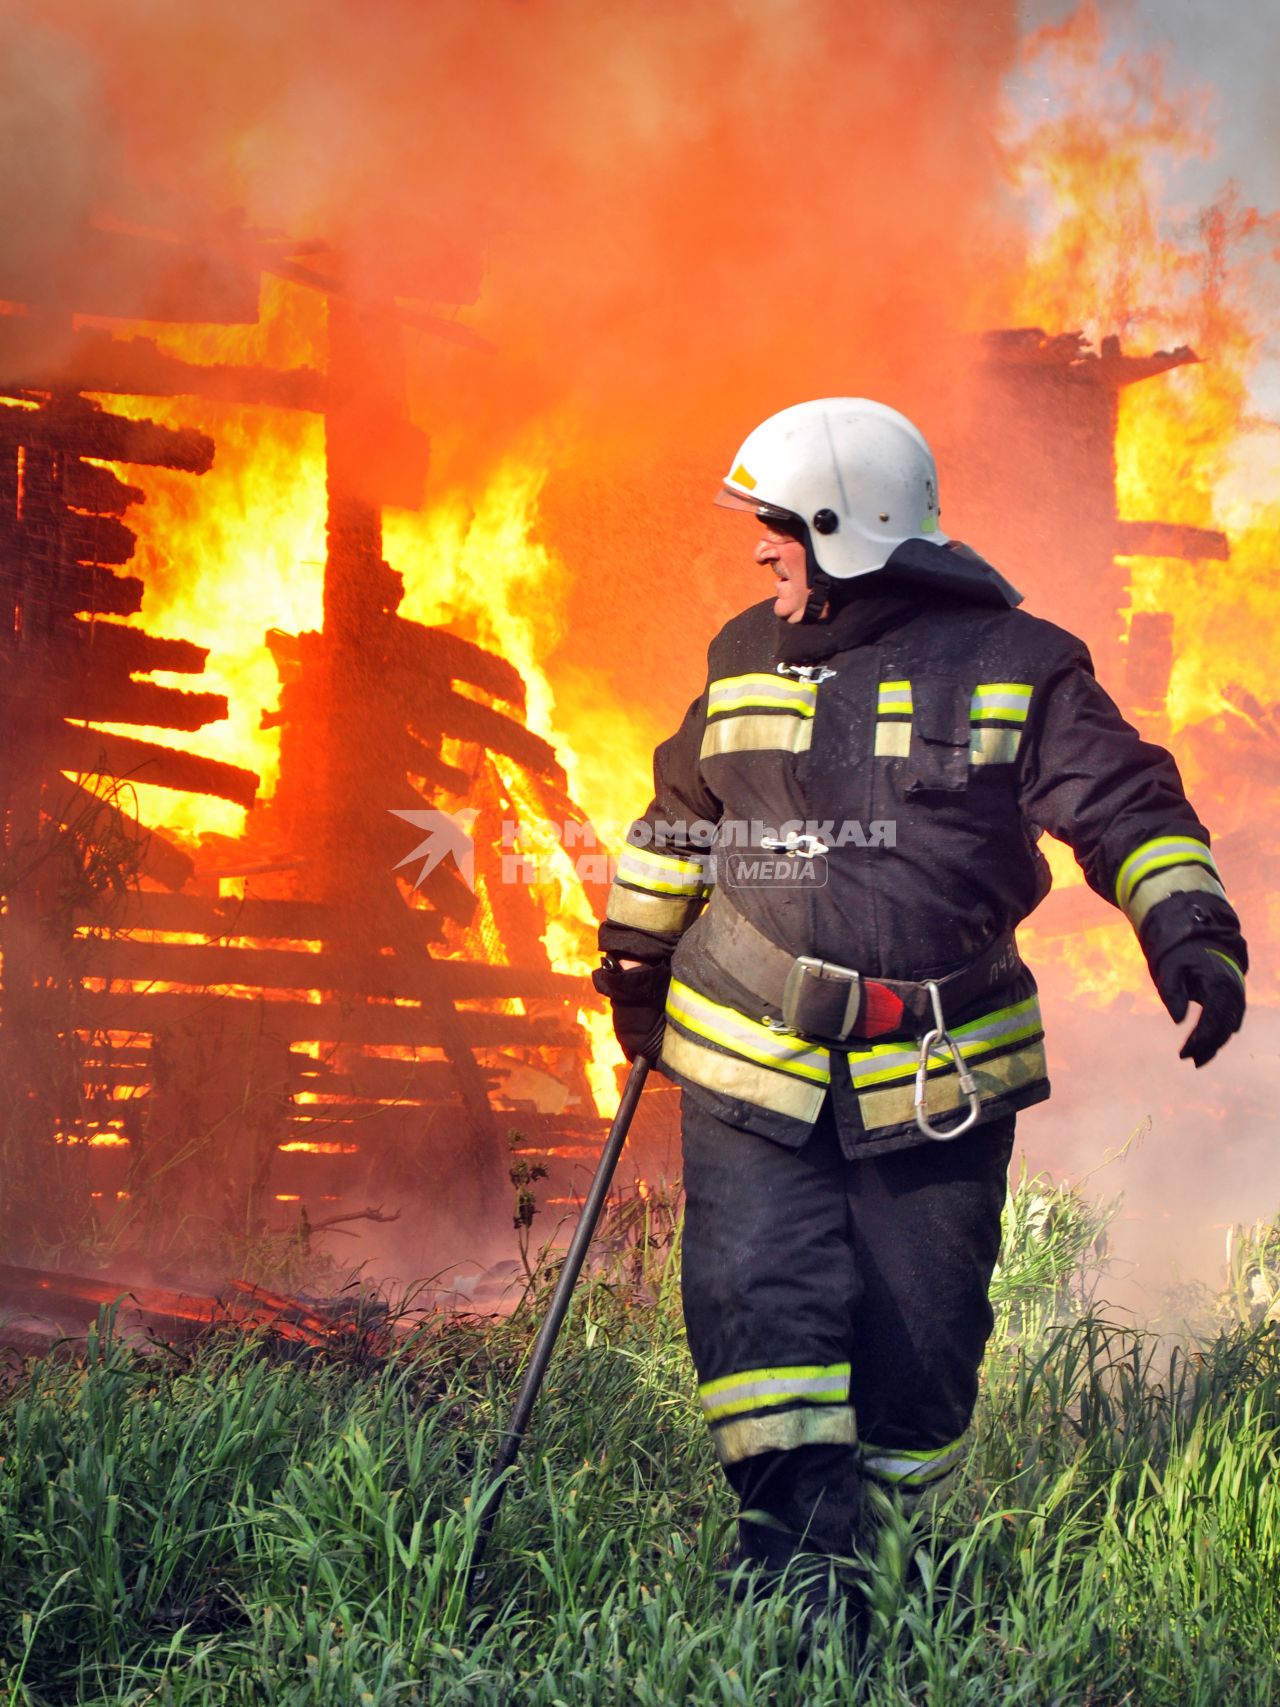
(544, 1345)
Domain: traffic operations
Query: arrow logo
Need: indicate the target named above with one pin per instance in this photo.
(447, 832)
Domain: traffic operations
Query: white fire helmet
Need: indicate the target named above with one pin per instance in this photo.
(857, 474)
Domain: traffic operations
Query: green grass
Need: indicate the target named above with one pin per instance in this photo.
(233, 1527)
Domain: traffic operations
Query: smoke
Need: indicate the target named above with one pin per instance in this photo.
(679, 218)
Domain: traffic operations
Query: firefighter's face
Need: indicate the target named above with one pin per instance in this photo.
(780, 551)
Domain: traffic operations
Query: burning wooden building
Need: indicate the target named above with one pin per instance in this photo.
(188, 1029)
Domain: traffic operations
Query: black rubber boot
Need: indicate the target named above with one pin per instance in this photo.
(770, 1558)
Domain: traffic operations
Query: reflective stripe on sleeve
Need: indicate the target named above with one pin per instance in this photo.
(1166, 866)
(1181, 880)
(731, 1076)
(1000, 702)
(760, 691)
(783, 1431)
(651, 912)
(756, 732)
(912, 1469)
(664, 874)
(1157, 855)
(759, 1389)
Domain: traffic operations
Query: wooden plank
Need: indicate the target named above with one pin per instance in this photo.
(111, 646)
(286, 969)
(93, 752)
(432, 654)
(319, 1022)
(230, 916)
(1170, 539)
(437, 714)
(83, 429)
(81, 588)
(137, 367)
(102, 701)
(92, 539)
(88, 487)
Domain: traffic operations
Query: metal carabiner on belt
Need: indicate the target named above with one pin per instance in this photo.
(940, 1034)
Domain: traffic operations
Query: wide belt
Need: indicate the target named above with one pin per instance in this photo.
(830, 1003)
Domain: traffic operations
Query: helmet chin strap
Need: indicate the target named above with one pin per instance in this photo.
(821, 585)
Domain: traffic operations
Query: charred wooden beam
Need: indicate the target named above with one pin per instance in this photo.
(377, 1077)
(104, 701)
(146, 1013)
(376, 975)
(431, 653)
(466, 720)
(93, 539)
(110, 646)
(85, 486)
(233, 917)
(83, 429)
(137, 367)
(83, 588)
(1170, 539)
(92, 752)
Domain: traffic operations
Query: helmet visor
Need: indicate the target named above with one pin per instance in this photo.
(728, 499)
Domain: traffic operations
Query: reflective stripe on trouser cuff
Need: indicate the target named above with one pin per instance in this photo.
(732, 1030)
(1161, 884)
(995, 1078)
(651, 912)
(893, 740)
(754, 1389)
(904, 1468)
(993, 746)
(767, 692)
(783, 731)
(1006, 702)
(1155, 855)
(731, 1076)
(664, 874)
(783, 1431)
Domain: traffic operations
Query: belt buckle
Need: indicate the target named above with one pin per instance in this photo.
(806, 967)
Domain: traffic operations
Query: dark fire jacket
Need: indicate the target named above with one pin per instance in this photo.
(925, 738)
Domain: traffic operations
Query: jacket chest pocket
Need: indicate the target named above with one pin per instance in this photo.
(938, 756)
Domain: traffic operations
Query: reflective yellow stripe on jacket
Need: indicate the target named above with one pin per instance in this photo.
(722, 1050)
(759, 712)
(997, 713)
(1004, 1051)
(1167, 865)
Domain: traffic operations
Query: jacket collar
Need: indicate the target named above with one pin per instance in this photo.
(918, 576)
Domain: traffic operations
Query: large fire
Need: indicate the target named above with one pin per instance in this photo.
(563, 526)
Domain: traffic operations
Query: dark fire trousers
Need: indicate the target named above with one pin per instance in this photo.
(837, 1311)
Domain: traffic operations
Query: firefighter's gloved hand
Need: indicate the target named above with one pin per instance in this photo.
(639, 997)
(1196, 971)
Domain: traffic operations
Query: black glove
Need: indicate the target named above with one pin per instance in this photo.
(1196, 971)
(639, 997)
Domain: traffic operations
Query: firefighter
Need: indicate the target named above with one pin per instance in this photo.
(811, 931)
